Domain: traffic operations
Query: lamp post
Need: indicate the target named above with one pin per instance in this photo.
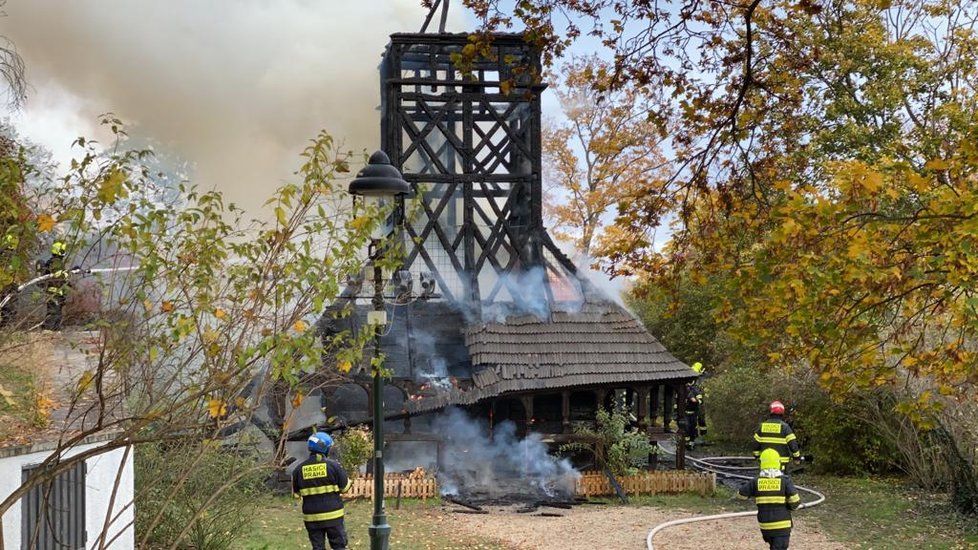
(379, 179)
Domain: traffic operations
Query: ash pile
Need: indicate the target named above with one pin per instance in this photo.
(500, 469)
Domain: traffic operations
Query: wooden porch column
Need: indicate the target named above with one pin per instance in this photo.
(642, 394)
(528, 407)
(654, 403)
(681, 433)
(599, 396)
(667, 394)
(565, 411)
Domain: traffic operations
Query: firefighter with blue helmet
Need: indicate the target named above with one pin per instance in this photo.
(775, 496)
(319, 481)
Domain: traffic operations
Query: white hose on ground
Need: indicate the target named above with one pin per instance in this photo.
(706, 466)
(46, 276)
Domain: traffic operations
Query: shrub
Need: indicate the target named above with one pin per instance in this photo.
(205, 470)
(623, 451)
(353, 449)
(838, 434)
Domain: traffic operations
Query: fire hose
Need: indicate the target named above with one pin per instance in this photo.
(75, 271)
(708, 465)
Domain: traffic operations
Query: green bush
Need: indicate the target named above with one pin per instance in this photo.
(353, 448)
(210, 469)
(623, 451)
(835, 433)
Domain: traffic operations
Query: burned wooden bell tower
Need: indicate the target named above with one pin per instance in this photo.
(512, 331)
(469, 144)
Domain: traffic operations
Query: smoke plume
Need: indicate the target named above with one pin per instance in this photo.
(234, 87)
(503, 467)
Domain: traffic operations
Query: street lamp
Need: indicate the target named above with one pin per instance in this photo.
(379, 179)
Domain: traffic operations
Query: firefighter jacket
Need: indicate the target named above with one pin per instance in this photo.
(776, 497)
(57, 285)
(775, 433)
(318, 482)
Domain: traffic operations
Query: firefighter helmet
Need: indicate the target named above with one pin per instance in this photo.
(58, 248)
(320, 442)
(697, 367)
(777, 407)
(770, 460)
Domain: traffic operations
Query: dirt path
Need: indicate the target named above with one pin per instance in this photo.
(618, 527)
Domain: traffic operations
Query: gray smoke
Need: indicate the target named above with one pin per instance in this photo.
(235, 87)
(505, 466)
(430, 367)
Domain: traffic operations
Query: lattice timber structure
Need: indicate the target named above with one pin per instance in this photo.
(513, 332)
(469, 144)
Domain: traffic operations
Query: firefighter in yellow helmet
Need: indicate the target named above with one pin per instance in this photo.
(775, 496)
(56, 288)
(695, 411)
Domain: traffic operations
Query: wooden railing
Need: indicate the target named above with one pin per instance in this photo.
(409, 487)
(590, 484)
(648, 483)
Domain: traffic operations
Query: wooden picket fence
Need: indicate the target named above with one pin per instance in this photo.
(423, 488)
(594, 483)
(591, 483)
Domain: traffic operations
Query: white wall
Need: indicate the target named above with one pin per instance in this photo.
(102, 472)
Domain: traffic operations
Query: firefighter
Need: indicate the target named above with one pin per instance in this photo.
(701, 409)
(56, 289)
(775, 433)
(694, 402)
(318, 482)
(775, 496)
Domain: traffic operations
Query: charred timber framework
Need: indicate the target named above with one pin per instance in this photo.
(469, 144)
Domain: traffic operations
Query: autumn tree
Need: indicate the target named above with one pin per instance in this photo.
(603, 152)
(213, 313)
(821, 160)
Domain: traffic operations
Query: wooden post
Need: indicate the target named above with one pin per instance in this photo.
(681, 432)
(397, 503)
(642, 394)
(492, 414)
(654, 404)
(599, 396)
(667, 395)
(528, 408)
(565, 411)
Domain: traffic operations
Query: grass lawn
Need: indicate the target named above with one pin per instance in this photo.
(884, 514)
(416, 526)
(877, 514)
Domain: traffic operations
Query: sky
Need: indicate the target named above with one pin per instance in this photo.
(232, 89)
(235, 88)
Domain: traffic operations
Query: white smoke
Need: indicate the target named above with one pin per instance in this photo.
(505, 466)
(235, 87)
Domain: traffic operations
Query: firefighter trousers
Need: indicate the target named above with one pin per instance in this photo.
(777, 543)
(336, 534)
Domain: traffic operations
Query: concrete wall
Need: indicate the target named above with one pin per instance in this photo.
(99, 483)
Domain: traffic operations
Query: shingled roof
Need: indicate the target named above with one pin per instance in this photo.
(599, 344)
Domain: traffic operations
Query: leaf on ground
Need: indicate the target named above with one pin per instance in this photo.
(7, 395)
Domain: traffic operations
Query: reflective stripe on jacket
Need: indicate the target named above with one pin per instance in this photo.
(775, 497)
(776, 434)
(319, 482)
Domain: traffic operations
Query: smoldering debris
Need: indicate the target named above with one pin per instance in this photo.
(503, 468)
